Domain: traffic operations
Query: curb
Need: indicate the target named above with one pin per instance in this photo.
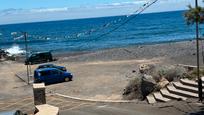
(94, 100)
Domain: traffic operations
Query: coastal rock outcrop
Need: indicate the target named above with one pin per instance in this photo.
(139, 87)
(147, 85)
(6, 56)
(133, 89)
(152, 78)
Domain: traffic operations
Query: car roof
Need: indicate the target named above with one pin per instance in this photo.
(49, 69)
(40, 52)
(45, 69)
(12, 112)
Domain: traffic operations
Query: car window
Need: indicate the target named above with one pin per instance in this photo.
(44, 73)
(43, 55)
(33, 55)
(50, 66)
(54, 72)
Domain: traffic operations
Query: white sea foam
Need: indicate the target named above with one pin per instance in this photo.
(15, 50)
(14, 33)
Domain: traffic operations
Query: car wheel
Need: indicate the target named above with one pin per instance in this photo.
(66, 79)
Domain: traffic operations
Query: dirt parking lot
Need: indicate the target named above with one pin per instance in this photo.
(102, 80)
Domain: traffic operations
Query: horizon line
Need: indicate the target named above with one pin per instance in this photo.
(86, 18)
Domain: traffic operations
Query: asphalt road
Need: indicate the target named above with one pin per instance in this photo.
(76, 107)
(131, 109)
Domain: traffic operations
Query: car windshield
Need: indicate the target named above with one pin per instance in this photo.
(46, 66)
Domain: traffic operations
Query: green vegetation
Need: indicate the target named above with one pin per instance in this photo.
(192, 14)
(193, 74)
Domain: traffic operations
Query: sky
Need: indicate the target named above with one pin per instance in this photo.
(21, 11)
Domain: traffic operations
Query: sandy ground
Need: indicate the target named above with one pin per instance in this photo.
(99, 75)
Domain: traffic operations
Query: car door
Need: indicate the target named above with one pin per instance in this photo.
(48, 77)
(61, 75)
(56, 76)
(36, 58)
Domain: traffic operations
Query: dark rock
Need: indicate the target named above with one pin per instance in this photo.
(139, 87)
(148, 85)
(133, 90)
(133, 71)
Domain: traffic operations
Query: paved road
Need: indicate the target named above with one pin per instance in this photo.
(124, 109)
(74, 107)
(106, 109)
(27, 104)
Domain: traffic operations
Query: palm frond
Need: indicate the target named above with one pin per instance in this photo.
(194, 14)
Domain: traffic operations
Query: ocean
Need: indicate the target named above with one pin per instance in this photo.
(87, 34)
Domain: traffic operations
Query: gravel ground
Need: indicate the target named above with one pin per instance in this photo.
(102, 74)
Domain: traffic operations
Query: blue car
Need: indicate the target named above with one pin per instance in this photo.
(51, 75)
(14, 112)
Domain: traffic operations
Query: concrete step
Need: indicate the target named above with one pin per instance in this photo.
(190, 83)
(160, 98)
(179, 92)
(167, 94)
(180, 86)
(151, 99)
(202, 78)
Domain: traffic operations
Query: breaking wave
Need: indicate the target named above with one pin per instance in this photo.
(15, 50)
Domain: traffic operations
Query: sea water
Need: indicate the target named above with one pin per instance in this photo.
(87, 34)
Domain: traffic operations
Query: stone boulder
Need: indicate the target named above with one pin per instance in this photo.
(139, 87)
(162, 83)
(133, 89)
(148, 85)
(143, 68)
(146, 69)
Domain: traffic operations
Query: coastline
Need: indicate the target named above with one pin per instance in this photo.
(101, 69)
(182, 52)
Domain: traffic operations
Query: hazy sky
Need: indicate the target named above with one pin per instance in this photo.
(5, 4)
(19, 11)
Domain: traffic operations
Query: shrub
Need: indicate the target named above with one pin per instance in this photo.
(175, 74)
(193, 73)
(171, 73)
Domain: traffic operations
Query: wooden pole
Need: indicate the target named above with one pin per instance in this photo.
(26, 48)
(198, 60)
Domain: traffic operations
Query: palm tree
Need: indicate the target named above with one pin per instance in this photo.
(194, 14)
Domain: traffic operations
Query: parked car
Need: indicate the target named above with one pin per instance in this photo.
(52, 66)
(39, 57)
(14, 112)
(51, 75)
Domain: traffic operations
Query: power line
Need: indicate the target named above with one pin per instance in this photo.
(130, 17)
(128, 20)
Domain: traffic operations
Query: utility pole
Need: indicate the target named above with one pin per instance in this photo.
(198, 61)
(26, 48)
